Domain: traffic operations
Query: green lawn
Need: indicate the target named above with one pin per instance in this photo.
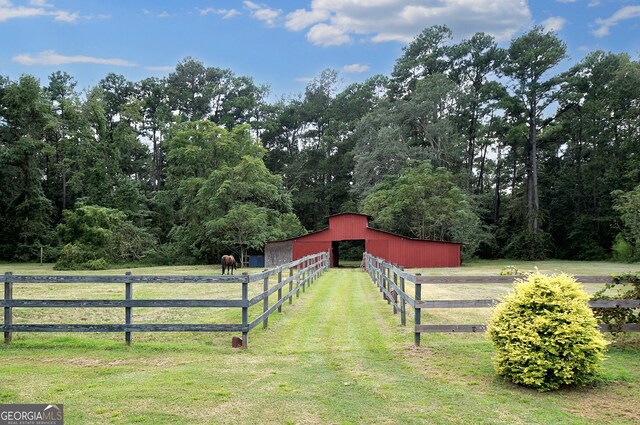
(493, 267)
(336, 356)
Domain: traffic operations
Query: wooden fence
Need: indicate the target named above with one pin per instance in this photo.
(301, 273)
(392, 281)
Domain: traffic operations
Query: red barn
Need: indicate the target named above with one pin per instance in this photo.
(407, 252)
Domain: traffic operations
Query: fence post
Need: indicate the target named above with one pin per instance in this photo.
(403, 306)
(265, 303)
(8, 310)
(385, 283)
(395, 297)
(298, 279)
(380, 278)
(290, 285)
(279, 289)
(417, 318)
(314, 268)
(245, 309)
(128, 295)
(304, 274)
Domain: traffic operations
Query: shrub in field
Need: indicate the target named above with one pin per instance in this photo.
(545, 334)
(94, 236)
(79, 257)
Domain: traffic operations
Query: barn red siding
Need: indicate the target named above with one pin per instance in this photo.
(348, 227)
(411, 252)
(302, 248)
(396, 249)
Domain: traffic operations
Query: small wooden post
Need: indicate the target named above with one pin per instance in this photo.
(8, 310)
(417, 318)
(403, 305)
(384, 282)
(128, 295)
(315, 268)
(395, 297)
(377, 273)
(290, 285)
(279, 289)
(304, 274)
(265, 303)
(312, 270)
(380, 271)
(388, 281)
(298, 279)
(245, 309)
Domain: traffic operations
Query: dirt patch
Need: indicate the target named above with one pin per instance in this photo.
(611, 403)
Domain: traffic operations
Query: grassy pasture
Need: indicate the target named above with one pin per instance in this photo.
(497, 291)
(336, 356)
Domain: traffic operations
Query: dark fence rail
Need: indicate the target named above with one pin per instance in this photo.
(301, 274)
(391, 280)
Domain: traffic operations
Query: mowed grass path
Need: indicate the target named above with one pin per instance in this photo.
(336, 356)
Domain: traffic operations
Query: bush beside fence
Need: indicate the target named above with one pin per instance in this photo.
(392, 280)
(301, 273)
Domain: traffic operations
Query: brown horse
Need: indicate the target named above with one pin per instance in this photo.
(228, 263)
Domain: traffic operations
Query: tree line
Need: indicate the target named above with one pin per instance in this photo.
(464, 141)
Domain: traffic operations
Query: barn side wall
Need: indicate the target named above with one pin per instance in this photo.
(277, 253)
(303, 247)
(412, 253)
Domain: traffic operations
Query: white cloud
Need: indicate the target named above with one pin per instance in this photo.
(263, 13)
(65, 16)
(334, 22)
(554, 23)
(627, 12)
(163, 14)
(355, 68)
(40, 3)
(49, 57)
(327, 35)
(301, 19)
(39, 8)
(566, 1)
(225, 13)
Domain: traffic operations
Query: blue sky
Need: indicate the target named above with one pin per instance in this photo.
(281, 43)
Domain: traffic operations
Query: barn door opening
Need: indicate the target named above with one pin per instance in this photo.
(335, 254)
(347, 253)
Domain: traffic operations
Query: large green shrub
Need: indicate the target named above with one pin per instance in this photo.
(94, 236)
(545, 334)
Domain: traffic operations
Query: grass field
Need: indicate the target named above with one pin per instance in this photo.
(336, 356)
